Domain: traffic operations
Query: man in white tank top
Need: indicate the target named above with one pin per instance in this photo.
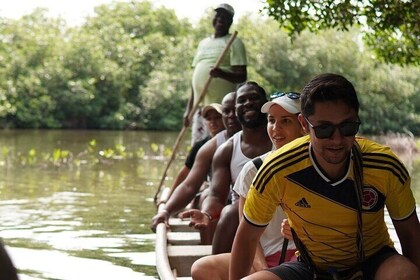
(188, 189)
(227, 163)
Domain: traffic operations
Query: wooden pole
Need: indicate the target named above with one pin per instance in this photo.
(194, 108)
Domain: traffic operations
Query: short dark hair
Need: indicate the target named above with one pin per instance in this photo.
(256, 86)
(328, 87)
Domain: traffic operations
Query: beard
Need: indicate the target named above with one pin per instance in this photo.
(261, 119)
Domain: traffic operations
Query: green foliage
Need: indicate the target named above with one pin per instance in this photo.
(27, 46)
(388, 93)
(129, 67)
(390, 27)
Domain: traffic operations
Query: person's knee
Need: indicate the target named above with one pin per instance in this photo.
(397, 267)
(229, 214)
(201, 269)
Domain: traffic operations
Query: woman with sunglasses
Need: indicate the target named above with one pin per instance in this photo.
(333, 187)
(282, 127)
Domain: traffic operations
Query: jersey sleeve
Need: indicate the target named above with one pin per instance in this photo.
(388, 170)
(400, 202)
(263, 197)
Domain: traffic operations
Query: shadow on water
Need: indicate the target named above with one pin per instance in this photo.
(74, 208)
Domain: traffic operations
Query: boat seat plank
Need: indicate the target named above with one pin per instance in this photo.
(177, 224)
(184, 238)
(182, 256)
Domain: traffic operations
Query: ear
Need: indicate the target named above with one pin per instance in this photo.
(304, 124)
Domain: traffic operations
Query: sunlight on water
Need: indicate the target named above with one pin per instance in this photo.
(86, 221)
(58, 265)
(17, 222)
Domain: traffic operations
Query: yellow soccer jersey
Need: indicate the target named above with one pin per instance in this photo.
(324, 213)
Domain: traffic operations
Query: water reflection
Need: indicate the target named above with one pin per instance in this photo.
(91, 217)
(88, 220)
(51, 264)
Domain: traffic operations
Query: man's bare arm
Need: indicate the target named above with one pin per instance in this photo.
(244, 246)
(238, 74)
(186, 191)
(408, 233)
(221, 180)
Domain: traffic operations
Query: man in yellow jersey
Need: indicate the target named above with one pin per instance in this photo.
(225, 78)
(338, 224)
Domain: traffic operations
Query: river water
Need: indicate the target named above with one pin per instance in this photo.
(77, 204)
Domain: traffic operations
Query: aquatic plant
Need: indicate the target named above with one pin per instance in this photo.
(92, 155)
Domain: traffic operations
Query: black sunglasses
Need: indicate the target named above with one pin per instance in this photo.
(291, 95)
(346, 129)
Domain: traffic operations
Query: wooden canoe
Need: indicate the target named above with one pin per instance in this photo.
(177, 247)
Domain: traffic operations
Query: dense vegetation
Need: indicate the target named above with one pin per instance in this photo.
(128, 67)
(391, 28)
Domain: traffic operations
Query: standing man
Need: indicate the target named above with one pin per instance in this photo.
(225, 78)
(333, 187)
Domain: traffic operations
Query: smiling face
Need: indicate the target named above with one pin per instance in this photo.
(331, 153)
(282, 126)
(249, 100)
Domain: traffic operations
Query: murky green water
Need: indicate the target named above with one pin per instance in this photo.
(73, 208)
(83, 216)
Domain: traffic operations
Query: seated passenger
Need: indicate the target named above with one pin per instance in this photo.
(212, 115)
(190, 187)
(283, 126)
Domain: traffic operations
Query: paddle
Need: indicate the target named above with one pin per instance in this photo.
(194, 108)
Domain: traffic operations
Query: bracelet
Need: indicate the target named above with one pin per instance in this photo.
(208, 215)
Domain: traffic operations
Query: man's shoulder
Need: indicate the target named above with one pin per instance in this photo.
(225, 150)
(206, 40)
(298, 148)
(209, 146)
(301, 142)
(371, 146)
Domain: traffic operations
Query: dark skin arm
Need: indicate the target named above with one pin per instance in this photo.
(237, 75)
(187, 190)
(182, 174)
(218, 191)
